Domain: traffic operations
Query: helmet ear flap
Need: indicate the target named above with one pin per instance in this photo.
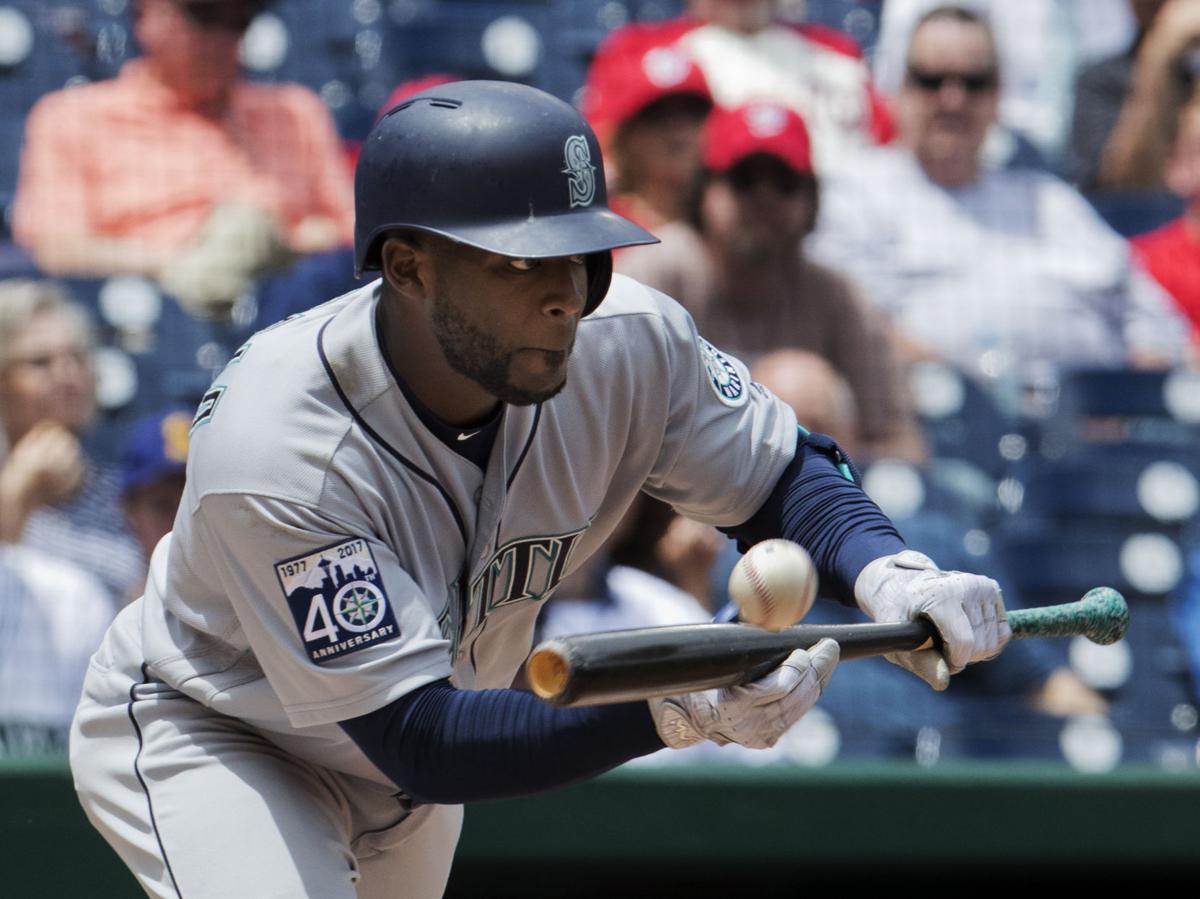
(599, 277)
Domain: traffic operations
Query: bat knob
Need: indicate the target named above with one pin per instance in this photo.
(1107, 613)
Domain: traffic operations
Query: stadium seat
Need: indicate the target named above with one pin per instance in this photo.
(1157, 493)
(43, 47)
(1136, 212)
(962, 420)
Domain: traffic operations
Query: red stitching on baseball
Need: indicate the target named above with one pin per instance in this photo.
(760, 588)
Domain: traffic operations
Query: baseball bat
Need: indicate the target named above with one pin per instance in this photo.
(620, 666)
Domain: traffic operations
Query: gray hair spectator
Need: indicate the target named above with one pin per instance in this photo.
(52, 497)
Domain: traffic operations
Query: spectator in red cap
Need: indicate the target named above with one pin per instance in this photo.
(740, 268)
(747, 53)
(647, 104)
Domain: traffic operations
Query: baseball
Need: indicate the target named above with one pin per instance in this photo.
(774, 584)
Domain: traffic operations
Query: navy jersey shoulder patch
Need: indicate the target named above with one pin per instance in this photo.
(337, 599)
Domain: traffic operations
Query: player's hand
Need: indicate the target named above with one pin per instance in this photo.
(755, 714)
(967, 610)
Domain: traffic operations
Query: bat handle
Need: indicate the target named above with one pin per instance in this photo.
(896, 636)
(1102, 616)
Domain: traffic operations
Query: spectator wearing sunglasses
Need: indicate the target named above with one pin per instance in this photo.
(179, 168)
(1006, 273)
(738, 264)
(53, 497)
(1042, 44)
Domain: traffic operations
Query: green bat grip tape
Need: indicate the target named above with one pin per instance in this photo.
(1102, 616)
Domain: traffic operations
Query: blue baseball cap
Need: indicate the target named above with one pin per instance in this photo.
(155, 447)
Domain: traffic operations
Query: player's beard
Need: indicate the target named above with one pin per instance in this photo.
(479, 356)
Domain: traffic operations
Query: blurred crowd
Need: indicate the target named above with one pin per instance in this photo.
(962, 239)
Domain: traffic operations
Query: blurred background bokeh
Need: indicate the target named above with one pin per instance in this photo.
(962, 239)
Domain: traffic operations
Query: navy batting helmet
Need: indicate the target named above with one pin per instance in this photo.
(502, 167)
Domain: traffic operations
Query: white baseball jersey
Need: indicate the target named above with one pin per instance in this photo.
(331, 554)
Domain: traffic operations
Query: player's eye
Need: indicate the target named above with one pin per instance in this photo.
(528, 265)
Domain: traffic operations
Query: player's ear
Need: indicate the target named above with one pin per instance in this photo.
(406, 265)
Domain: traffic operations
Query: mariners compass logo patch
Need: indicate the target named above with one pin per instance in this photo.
(337, 599)
(725, 375)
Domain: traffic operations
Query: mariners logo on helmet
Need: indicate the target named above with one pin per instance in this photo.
(479, 162)
(581, 170)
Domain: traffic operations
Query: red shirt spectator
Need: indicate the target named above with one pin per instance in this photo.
(1172, 255)
(123, 175)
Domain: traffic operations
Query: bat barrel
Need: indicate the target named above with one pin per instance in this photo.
(664, 661)
(646, 662)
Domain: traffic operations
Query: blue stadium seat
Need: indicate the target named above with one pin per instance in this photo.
(1108, 486)
(1154, 708)
(858, 18)
(1051, 563)
(1114, 392)
(343, 51)
(963, 420)
(451, 37)
(46, 45)
(1136, 212)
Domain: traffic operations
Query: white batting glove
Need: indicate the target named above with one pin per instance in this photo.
(755, 714)
(967, 610)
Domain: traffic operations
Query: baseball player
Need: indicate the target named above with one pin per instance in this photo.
(382, 491)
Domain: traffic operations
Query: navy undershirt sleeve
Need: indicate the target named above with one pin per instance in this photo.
(818, 504)
(440, 744)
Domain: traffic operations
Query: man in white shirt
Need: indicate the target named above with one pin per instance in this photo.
(995, 271)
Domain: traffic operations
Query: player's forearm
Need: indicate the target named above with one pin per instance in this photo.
(815, 505)
(449, 746)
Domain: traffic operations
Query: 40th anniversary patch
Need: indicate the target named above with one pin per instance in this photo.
(337, 599)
